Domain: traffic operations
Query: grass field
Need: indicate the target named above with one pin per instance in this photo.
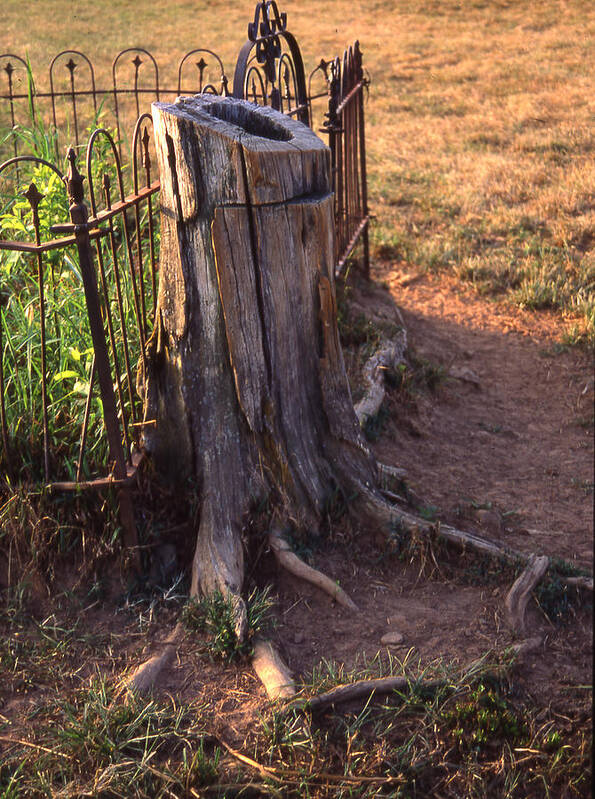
(480, 150)
(479, 123)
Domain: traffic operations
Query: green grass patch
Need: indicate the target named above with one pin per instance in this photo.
(215, 615)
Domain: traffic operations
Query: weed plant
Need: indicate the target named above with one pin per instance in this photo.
(69, 351)
(450, 732)
(215, 615)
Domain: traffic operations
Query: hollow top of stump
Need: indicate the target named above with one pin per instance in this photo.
(244, 153)
(255, 127)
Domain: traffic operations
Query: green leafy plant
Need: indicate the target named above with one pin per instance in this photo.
(215, 615)
(482, 718)
(69, 352)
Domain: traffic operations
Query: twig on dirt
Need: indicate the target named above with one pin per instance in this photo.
(248, 761)
(518, 596)
(296, 566)
(21, 742)
(292, 775)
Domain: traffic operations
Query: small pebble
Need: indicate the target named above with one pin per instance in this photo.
(391, 639)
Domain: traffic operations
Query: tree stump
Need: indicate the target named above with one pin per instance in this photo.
(245, 375)
(246, 392)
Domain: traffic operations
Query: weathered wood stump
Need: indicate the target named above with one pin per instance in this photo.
(245, 387)
(246, 378)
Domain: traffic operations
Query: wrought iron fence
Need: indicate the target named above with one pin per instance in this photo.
(73, 328)
(345, 124)
(78, 280)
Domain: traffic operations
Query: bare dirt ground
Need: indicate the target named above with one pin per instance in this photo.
(520, 438)
(505, 448)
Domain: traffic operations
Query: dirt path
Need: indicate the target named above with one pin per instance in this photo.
(520, 440)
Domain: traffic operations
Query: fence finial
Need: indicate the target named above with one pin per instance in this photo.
(146, 157)
(74, 179)
(74, 186)
(264, 32)
(34, 196)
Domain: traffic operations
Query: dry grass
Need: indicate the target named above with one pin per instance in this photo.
(479, 122)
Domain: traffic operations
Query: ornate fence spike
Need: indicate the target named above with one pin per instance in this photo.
(267, 26)
(201, 64)
(74, 184)
(146, 156)
(34, 196)
(264, 33)
(106, 185)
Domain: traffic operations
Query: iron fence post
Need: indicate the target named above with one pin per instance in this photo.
(79, 217)
(332, 127)
(362, 157)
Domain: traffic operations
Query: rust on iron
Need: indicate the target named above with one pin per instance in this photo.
(270, 49)
(79, 218)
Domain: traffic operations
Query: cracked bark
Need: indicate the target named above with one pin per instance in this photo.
(245, 372)
(245, 375)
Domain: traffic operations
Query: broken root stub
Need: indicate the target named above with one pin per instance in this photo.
(518, 596)
(290, 561)
(143, 680)
(388, 356)
(272, 671)
(526, 646)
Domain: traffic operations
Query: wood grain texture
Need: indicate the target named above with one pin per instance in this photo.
(246, 376)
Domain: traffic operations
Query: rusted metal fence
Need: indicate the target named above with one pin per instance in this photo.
(345, 124)
(78, 271)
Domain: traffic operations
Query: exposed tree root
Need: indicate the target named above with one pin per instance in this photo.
(290, 561)
(390, 495)
(519, 594)
(526, 646)
(357, 690)
(388, 515)
(363, 689)
(384, 470)
(145, 676)
(579, 582)
(388, 356)
(272, 671)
